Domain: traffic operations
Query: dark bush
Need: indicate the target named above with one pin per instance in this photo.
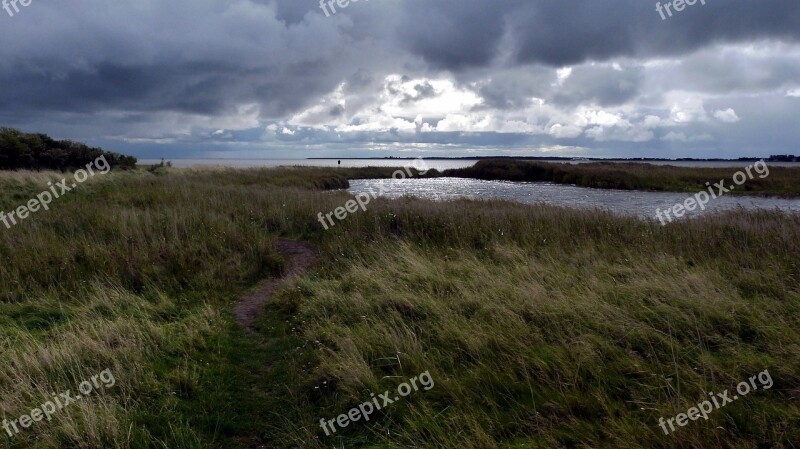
(20, 150)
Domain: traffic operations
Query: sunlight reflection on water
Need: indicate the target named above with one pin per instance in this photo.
(625, 202)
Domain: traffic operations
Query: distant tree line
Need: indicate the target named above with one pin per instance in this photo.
(20, 150)
(783, 158)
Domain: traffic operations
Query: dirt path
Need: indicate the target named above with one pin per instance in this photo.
(300, 257)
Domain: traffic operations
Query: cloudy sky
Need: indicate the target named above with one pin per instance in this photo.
(281, 79)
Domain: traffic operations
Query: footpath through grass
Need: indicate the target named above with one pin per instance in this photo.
(542, 327)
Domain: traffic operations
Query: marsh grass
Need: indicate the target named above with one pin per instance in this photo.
(782, 181)
(542, 327)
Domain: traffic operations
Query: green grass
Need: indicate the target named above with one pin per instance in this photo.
(773, 181)
(542, 327)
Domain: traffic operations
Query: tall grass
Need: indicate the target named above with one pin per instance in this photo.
(781, 181)
(541, 326)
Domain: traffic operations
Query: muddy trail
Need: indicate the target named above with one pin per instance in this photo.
(300, 257)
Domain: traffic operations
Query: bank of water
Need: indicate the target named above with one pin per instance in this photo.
(625, 202)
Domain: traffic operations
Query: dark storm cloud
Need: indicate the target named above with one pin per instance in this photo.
(589, 29)
(290, 12)
(192, 57)
(337, 111)
(194, 88)
(601, 85)
(730, 71)
(186, 69)
(295, 54)
(454, 34)
(421, 91)
(457, 34)
(512, 89)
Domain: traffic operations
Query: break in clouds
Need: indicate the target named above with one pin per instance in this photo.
(280, 78)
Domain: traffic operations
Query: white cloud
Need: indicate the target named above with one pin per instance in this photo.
(726, 115)
(600, 117)
(652, 121)
(407, 97)
(562, 75)
(686, 108)
(560, 131)
(408, 106)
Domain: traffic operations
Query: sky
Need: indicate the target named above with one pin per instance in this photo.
(377, 78)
